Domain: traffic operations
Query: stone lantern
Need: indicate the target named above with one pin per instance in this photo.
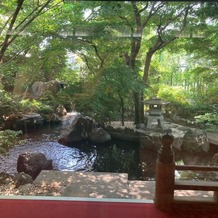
(155, 111)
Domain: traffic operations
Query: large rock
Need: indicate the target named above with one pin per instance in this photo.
(99, 135)
(151, 141)
(214, 162)
(195, 141)
(61, 111)
(29, 121)
(33, 163)
(83, 128)
(124, 133)
(39, 88)
(75, 131)
(52, 118)
(23, 122)
(22, 179)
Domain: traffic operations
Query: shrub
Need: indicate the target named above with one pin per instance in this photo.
(8, 104)
(8, 139)
(45, 109)
(35, 106)
(177, 97)
(175, 94)
(209, 121)
(29, 105)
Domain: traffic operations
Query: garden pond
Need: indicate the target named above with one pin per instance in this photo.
(114, 156)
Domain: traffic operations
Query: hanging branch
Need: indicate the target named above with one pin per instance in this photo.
(14, 31)
(5, 43)
(160, 42)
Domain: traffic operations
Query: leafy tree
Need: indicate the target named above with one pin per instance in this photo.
(17, 17)
(136, 19)
(159, 42)
(110, 95)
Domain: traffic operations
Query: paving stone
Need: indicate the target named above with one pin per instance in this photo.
(98, 185)
(53, 178)
(141, 189)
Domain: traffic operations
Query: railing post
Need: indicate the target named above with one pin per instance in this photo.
(215, 195)
(164, 176)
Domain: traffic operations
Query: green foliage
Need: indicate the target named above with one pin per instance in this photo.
(196, 108)
(175, 94)
(48, 98)
(8, 139)
(109, 94)
(67, 96)
(45, 109)
(193, 109)
(208, 117)
(8, 104)
(177, 97)
(208, 121)
(101, 107)
(211, 95)
(191, 175)
(30, 106)
(102, 33)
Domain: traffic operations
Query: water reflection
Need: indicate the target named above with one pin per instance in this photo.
(64, 158)
(114, 156)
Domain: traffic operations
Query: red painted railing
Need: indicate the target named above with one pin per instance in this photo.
(166, 183)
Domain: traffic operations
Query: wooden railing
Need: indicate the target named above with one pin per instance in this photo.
(166, 183)
(196, 185)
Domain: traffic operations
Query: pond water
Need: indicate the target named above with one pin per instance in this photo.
(114, 156)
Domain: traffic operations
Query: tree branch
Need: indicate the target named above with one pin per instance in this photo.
(14, 32)
(144, 8)
(29, 21)
(5, 43)
(152, 11)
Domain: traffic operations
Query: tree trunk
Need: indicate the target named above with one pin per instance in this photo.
(139, 107)
(147, 65)
(122, 110)
(136, 104)
(139, 97)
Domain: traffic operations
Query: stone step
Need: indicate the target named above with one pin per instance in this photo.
(103, 185)
(141, 189)
(98, 185)
(86, 184)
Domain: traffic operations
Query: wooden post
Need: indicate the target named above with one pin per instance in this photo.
(165, 168)
(215, 195)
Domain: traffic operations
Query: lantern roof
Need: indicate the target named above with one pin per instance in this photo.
(155, 101)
